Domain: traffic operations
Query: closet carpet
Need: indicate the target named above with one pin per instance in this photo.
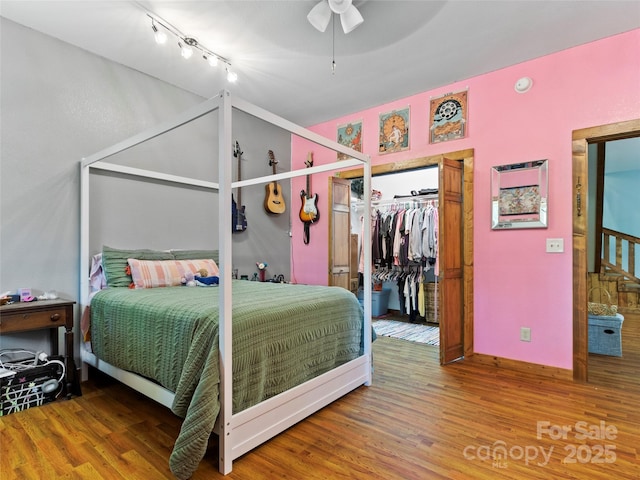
(413, 332)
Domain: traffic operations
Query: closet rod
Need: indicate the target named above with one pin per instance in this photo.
(417, 195)
(397, 199)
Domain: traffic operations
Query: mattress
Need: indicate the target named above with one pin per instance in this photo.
(283, 335)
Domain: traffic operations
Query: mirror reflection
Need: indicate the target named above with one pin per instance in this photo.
(519, 194)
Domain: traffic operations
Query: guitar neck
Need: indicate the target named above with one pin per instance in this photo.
(272, 161)
(239, 178)
(309, 164)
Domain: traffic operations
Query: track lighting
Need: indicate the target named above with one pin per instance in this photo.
(159, 35)
(188, 44)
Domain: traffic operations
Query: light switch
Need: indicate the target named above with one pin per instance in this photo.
(555, 245)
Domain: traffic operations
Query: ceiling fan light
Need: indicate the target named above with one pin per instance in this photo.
(320, 15)
(340, 6)
(351, 19)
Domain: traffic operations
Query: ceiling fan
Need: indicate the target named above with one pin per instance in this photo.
(320, 15)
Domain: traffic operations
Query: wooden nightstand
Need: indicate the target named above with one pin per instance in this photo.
(45, 314)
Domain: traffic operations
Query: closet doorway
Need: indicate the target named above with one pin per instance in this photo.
(455, 244)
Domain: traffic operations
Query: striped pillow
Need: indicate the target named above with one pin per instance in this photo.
(167, 273)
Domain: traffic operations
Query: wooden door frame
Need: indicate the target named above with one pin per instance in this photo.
(466, 157)
(580, 165)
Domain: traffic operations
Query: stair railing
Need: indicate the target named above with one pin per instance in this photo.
(624, 265)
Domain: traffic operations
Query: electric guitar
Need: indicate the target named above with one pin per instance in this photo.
(273, 200)
(238, 217)
(309, 211)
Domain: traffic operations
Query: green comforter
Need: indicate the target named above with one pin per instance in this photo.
(283, 335)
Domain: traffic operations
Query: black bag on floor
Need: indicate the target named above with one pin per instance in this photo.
(30, 387)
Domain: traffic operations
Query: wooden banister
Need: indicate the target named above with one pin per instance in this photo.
(625, 267)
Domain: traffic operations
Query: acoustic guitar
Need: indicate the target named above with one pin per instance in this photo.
(273, 200)
(238, 216)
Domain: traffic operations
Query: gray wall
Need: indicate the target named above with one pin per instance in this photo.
(58, 104)
(179, 217)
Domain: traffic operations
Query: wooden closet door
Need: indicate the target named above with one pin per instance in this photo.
(340, 232)
(450, 236)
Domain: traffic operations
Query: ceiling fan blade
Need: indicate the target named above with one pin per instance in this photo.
(351, 19)
(320, 15)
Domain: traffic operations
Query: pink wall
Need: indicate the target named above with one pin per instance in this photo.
(516, 283)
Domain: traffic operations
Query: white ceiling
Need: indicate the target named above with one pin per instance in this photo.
(284, 64)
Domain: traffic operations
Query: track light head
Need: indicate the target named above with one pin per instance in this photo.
(231, 76)
(159, 35)
(185, 50)
(211, 60)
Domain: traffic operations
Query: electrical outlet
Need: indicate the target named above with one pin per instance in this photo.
(525, 334)
(555, 245)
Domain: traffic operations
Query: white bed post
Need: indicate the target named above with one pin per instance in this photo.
(367, 268)
(225, 156)
(83, 294)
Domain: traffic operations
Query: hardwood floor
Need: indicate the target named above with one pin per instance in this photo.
(417, 421)
(621, 372)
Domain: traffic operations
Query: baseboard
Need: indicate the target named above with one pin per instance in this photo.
(520, 366)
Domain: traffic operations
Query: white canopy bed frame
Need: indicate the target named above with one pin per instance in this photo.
(238, 433)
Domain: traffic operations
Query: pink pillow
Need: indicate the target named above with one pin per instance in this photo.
(167, 273)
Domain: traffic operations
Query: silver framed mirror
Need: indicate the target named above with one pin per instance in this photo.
(519, 195)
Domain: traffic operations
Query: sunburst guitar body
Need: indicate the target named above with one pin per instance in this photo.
(309, 210)
(273, 199)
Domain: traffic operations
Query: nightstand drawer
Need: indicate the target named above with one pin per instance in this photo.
(18, 321)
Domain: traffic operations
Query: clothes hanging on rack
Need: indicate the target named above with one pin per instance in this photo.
(404, 247)
(416, 290)
(404, 234)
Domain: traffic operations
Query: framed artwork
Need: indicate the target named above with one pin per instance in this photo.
(448, 117)
(394, 131)
(350, 135)
(519, 195)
